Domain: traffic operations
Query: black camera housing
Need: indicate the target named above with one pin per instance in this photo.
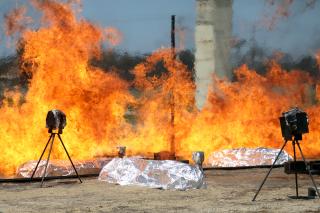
(56, 119)
(293, 124)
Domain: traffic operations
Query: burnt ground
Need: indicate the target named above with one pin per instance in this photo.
(227, 191)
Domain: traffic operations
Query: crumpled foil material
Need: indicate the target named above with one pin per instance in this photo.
(247, 157)
(61, 167)
(163, 174)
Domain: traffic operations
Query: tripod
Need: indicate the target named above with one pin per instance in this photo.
(51, 138)
(295, 142)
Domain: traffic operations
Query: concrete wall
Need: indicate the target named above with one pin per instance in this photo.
(212, 36)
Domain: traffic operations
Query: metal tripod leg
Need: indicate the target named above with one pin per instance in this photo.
(69, 158)
(308, 168)
(264, 180)
(34, 171)
(294, 166)
(45, 169)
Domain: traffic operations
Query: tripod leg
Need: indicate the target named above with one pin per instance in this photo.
(45, 169)
(34, 171)
(264, 180)
(314, 183)
(70, 159)
(295, 161)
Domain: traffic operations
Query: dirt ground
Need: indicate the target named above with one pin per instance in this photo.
(227, 191)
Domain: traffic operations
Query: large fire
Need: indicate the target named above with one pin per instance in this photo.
(57, 56)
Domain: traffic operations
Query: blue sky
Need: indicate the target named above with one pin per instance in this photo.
(145, 24)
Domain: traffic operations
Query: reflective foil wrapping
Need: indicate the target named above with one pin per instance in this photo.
(247, 157)
(62, 167)
(164, 174)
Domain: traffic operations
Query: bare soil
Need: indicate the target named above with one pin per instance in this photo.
(227, 191)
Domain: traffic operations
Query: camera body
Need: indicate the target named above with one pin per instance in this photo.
(294, 123)
(56, 119)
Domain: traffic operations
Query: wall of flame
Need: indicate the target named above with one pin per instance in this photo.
(57, 55)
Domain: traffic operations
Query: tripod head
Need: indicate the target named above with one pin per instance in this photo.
(297, 137)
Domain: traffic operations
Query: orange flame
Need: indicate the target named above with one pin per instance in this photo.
(245, 113)
(57, 58)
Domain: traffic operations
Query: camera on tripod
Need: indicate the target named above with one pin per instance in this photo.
(294, 123)
(56, 120)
